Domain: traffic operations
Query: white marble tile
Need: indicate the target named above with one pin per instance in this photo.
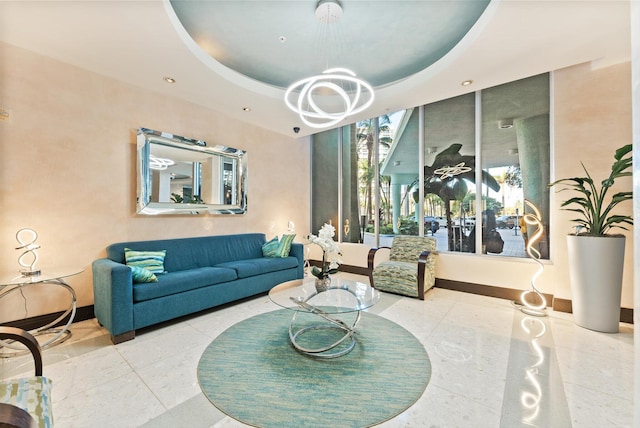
(593, 409)
(612, 345)
(197, 412)
(229, 423)
(612, 376)
(215, 322)
(87, 371)
(145, 350)
(439, 408)
(174, 379)
(495, 316)
(123, 402)
(420, 317)
(463, 341)
(478, 378)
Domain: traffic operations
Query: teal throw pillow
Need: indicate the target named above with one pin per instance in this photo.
(285, 245)
(152, 261)
(270, 249)
(141, 275)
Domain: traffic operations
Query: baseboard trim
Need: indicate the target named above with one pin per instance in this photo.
(564, 305)
(82, 314)
(485, 290)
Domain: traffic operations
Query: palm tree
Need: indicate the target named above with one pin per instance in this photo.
(365, 134)
(447, 177)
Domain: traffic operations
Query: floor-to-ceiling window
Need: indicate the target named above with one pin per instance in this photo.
(482, 154)
(515, 145)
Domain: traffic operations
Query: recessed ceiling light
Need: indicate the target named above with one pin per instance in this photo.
(246, 108)
(169, 79)
(466, 82)
(282, 39)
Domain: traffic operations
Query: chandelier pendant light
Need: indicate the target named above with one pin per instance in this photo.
(326, 99)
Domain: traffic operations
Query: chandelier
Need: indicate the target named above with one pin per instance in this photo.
(326, 99)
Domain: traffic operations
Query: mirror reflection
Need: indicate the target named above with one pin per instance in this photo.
(178, 175)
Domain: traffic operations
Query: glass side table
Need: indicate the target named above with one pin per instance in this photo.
(16, 283)
(327, 334)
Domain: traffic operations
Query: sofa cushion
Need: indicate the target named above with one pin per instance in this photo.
(178, 282)
(285, 245)
(139, 274)
(270, 249)
(252, 267)
(153, 261)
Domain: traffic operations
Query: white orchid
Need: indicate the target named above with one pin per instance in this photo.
(330, 251)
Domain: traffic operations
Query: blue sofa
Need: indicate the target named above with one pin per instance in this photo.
(200, 273)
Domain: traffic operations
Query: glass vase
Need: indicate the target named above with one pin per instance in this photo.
(322, 284)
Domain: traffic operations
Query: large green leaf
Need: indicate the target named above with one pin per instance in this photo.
(592, 204)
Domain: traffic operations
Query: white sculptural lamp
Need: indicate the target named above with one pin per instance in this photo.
(536, 309)
(26, 238)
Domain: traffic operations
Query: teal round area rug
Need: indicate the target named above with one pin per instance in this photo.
(252, 373)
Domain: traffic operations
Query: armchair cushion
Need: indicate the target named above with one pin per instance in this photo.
(397, 277)
(410, 270)
(31, 394)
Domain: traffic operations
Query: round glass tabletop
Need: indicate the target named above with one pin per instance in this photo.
(46, 275)
(342, 296)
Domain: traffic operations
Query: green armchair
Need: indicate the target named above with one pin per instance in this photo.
(25, 402)
(410, 270)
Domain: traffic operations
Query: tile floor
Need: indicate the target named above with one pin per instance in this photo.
(492, 366)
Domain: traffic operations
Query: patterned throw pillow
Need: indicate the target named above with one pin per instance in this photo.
(270, 249)
(141, 275)
(285, 245)
(152, 261)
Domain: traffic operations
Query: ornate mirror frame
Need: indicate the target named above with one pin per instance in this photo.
(178, 175)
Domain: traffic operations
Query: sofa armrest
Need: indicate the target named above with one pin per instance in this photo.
(371, 261)
(113, 296)
(297, 251)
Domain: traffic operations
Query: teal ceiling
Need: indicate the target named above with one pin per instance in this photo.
(382, 42)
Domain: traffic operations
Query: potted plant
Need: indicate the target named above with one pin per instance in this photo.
(596, 256)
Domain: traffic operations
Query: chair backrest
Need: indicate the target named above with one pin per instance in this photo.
(408, 248)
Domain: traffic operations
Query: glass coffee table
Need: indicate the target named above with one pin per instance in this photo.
(324, 323)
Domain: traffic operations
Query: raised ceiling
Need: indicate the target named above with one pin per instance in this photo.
(140, 42)
(279, 42)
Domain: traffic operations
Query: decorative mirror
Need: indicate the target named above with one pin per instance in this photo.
(178, 175)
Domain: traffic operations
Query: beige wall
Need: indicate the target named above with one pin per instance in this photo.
(67, 169)
(592, 120)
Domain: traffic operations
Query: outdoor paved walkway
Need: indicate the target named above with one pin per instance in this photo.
(513, 244)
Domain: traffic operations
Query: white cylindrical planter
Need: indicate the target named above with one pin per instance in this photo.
(595, 272)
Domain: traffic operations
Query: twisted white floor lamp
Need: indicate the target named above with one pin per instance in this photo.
(526, 306)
